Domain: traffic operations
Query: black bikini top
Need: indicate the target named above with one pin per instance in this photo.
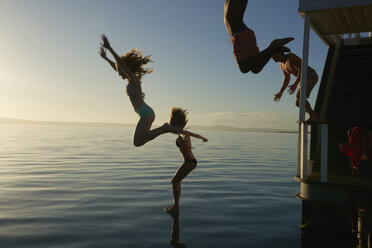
(177, 143)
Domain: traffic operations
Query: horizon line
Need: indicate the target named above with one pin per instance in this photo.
(7, 120)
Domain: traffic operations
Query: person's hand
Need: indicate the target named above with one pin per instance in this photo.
(292, 88)
(277, 97)
(105, 43)
(204, 140)
(102, 52)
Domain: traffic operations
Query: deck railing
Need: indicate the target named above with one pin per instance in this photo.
(304, 165)
(302, 156)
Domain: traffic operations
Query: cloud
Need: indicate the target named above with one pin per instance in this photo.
(247, 120)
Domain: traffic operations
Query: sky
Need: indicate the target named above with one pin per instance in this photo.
(50, 69)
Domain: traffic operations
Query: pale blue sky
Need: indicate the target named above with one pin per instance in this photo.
(50, 68)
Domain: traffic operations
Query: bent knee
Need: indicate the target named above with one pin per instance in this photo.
(244, 68)
(256, 70)
(137, 143)
(192, 166)
(175, 180)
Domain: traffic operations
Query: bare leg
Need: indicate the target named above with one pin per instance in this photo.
(313, 116)
(233, 15)
(181, 173)
(257, 62)
(143, 134)
(176, 233)
(233, 18)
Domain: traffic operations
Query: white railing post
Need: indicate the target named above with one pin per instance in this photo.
(324, 153)
(298, 173)
(304, 150)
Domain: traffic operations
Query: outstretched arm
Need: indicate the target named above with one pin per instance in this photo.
(102, 52)
(131, 76)
(194, 135)
(287, 78)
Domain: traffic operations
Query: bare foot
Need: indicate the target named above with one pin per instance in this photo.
(284, 49)
(172, 210)
(280, 42)
(314, 118)
(170, 129)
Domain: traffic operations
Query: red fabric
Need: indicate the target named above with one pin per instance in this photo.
(244, 45)
(359, 146)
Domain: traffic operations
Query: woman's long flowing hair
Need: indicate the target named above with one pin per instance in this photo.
(136, 62)
(178, 117)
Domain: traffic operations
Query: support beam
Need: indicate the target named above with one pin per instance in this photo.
(303, 126)
(324, 153)
(305, 58)
(304, 146)
(298, 172)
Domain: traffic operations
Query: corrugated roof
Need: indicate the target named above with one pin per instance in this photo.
(330, 18)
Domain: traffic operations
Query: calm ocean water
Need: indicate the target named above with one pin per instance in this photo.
(74, 186)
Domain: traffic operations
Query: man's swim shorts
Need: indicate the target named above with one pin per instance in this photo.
(244, 44)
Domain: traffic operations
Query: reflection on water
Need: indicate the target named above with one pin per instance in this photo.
(176, 232)
(89, 187)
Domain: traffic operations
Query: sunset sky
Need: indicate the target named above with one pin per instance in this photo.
(50, 69)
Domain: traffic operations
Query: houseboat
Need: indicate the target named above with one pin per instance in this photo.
(336, 198)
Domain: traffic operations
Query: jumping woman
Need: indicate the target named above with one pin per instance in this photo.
(131, 66)
(178, 120)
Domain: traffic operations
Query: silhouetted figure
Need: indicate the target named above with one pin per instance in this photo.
(183, 142)
(359, 146)
(291, 64)
(131, 66)
(246, 52)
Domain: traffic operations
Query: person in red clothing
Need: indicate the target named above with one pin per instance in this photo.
(245, 49)
(359, 146)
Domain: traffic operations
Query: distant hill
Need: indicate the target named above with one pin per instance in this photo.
(61, 123)
(102, 124)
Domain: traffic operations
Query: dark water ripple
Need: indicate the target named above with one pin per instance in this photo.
(89, 187)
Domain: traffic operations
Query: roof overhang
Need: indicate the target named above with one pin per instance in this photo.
(330, 18)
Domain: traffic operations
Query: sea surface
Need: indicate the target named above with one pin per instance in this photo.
(74, 186)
